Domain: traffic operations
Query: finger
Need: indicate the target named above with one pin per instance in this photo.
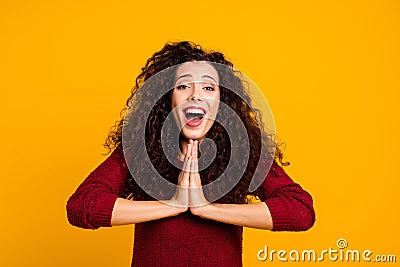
(194, 165)
(183, 178)
(195, 156)
(198, 180)
(194, 178)
(186, 164)
(192, 170)
(192, 181)
(193, 149)
(189, 150)
(196, 150)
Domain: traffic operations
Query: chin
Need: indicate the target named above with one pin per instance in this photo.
(188, 134)
(197, 133)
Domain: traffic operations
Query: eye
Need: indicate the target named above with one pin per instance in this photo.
(182, 86)
(209, 88)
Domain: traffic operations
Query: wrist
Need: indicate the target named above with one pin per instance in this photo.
(201, 210)
(176, 205)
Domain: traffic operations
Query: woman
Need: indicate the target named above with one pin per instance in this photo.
(190, 210)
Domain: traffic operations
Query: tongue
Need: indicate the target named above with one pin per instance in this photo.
(194, 122)
(196, 119)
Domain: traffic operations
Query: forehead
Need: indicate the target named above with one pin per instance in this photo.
(196, 70)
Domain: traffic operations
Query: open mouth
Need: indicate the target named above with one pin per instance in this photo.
(194, 116)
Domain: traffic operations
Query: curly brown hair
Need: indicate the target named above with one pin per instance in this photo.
(144, 175)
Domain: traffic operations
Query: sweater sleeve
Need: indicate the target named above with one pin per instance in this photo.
(91, 205)
(291, 207)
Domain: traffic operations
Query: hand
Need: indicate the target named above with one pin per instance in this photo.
(196, 195)
(181, 196)
(189, 192)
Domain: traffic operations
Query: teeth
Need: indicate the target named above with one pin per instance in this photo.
(195, 111)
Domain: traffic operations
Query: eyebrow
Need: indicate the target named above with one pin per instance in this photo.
(208, 76)
(183, 76)
(190, 75)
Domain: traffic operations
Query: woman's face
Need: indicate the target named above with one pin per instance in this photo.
(195, 98)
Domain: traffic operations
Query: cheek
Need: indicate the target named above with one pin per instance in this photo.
(176, 99)
(174, 102)
(214, 105)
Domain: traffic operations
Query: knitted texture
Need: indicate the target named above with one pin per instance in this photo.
(185, 239)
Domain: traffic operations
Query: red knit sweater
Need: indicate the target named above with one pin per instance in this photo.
(185, 239)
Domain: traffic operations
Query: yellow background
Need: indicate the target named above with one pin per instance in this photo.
(329, 70)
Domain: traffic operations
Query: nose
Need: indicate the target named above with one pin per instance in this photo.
(195, 94)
